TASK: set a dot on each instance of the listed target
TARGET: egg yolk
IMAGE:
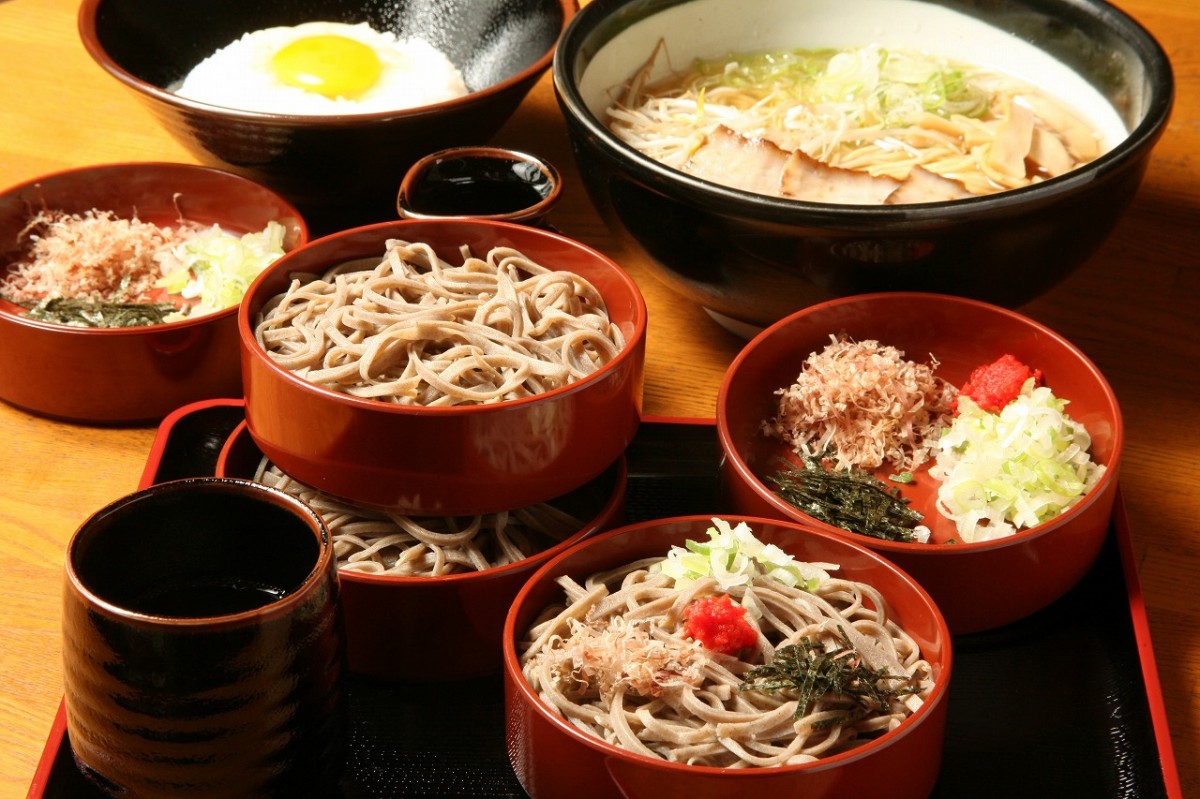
(331, 65)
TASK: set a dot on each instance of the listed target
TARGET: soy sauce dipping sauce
(479, 187)
(487, 182)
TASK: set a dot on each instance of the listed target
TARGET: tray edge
(1120, 523)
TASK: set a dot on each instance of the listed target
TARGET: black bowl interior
(1109, 50)
(488, 40)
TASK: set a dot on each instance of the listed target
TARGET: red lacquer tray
(1064, 703)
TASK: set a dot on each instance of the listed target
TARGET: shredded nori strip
(810, 672)
(88, 313)
(851, 499)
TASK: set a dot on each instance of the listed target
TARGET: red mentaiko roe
(719, 625)
(996, 384)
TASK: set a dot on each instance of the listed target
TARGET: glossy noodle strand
(413, 329)
(375, 542)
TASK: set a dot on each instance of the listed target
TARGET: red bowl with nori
(980, 585)
(129, 374)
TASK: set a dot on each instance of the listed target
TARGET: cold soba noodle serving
(864, 125)
(415, 330)
(374, 542)
(728, 653)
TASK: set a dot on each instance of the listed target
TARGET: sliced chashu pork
(760, 166)
(739, 162)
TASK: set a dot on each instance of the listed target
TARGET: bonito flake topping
(602, 658)
(864, 404)
(95, 256)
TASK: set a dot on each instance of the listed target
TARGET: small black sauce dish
(482, 183)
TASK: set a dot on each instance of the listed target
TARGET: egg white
(239, 75)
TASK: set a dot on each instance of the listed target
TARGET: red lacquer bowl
(979, 585)
(131, 374)
(554, 758)
(449, 460)
(426, 629)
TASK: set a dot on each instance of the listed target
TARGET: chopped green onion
(734, 556)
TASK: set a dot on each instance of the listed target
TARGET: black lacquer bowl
(751, 259)
(335, 167)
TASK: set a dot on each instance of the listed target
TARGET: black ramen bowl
(751, 259)
(343, 169)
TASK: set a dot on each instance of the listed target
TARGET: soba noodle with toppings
(374, 542)
(726, 653)
(415, 330)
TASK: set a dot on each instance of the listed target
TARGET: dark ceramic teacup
(203, 644)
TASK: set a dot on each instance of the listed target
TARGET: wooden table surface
(1132, 308)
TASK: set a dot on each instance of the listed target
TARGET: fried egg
(324, 68)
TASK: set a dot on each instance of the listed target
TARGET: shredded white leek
(733, 556)
(1008, 471)
(217, 266)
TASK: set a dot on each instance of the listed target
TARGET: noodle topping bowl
(130, 275)
(966, 442)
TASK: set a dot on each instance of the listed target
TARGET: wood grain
(1132, 308)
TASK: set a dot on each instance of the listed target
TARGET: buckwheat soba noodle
(726, 653)
(375, 542)
(413, 329)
